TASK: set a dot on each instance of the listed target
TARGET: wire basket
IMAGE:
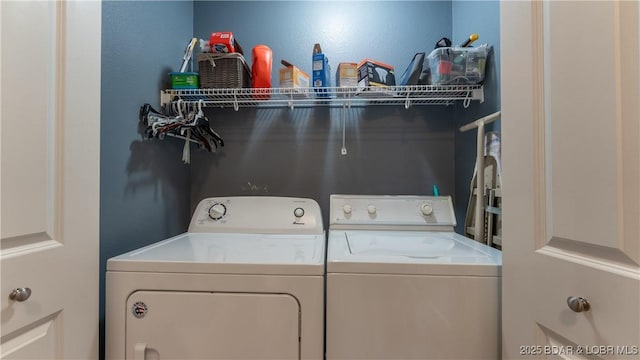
(227, 70)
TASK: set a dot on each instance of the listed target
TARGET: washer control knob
(371, 209)
(426, 209)
(298, 212)
(347, 209)
(217, 211)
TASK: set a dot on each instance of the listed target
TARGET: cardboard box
(375, 73)
(321, 74)
(347, 75)
(292, 77)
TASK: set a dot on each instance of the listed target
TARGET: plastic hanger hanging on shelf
(183, 120)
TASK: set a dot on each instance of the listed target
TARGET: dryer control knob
(426, 209)
(298, 212)
(217, 211)
(347, 209)
(371, 209)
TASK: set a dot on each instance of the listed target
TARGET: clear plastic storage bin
(458, 65)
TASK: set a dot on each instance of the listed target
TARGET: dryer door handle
(139, 351)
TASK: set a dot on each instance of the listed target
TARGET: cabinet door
(570, 123)
(204, 325)
(50, 172)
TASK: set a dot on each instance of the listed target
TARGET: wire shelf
(331, 96)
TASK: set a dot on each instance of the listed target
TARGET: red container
(222, 42)
(444, 67)
(261, 61)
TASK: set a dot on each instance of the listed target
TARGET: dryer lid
(232, 253)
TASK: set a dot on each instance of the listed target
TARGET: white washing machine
(245, 282)
(401, 284)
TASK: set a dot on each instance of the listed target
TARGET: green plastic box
(184, 80)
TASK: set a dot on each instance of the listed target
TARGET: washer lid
(410, 252)
(228, 254)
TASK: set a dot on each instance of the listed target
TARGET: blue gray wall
(297, 152)
(144, 187)
(483, 18)
(388, 31)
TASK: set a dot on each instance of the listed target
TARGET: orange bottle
(261, 61)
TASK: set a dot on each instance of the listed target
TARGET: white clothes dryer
(401, 284)
(245, 282)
